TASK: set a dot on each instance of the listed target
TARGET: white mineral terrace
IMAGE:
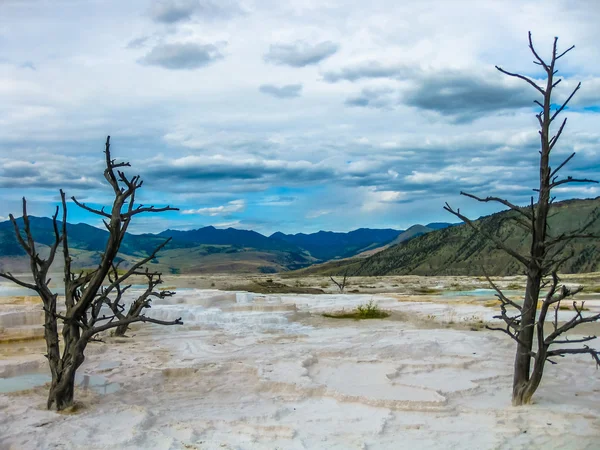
(251, 371)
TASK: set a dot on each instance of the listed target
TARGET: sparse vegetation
(273, 287)
(424, 290)
(365, 311)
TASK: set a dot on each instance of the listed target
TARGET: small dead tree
(83, 314)
(341, 286)
(138, 305)
(546, 255)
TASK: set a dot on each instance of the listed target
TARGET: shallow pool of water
(481, 293)
(96, 383)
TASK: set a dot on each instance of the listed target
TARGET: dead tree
(341, 286)
(82, 316)
(138, 305)
(546, 255)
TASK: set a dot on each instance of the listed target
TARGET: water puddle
(481, 293)
(96, 383)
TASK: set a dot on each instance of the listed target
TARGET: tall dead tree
(85, 312)
(523, 322)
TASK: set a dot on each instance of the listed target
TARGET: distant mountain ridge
(203, 250)
(325, 245)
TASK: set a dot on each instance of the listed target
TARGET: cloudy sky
(294, 115)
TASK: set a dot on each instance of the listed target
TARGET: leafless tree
(523, 323)
(341, 286)
(137, 306)
(83, 315)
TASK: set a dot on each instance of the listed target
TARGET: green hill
(459, 250)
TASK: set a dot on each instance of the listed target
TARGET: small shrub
(368, 311)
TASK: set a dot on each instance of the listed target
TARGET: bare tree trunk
(134, 311)
(525, 344)
(62, 387)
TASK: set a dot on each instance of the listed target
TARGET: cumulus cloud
(174, 11)
(285, 91)
(375, 200)
(182, 56)
(300, 53)
(231, 207)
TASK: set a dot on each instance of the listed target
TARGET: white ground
(254, 372)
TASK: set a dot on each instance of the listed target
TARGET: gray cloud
(300, 53)
(286, 91)
(137, 43)
(18, 169)
(233, 167)
(367, 69)
(381, 98)
(182, 56)
(174, 11)
(464, 97)
(460, 96)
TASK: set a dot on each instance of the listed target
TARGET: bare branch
(128, 321)
(540, 60)
(557, 112)
(503, 298)
(137, 265)
(512, 206)
(565, 52)
(522, 77)
(490, 237)
(576, 351)
(555, 171)
(99, 212)
(575, 341)
(152, 209)
(571, 180)
(506, 331)
(8, 276)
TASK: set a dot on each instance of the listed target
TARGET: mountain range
(207, 249)
(433, 249)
